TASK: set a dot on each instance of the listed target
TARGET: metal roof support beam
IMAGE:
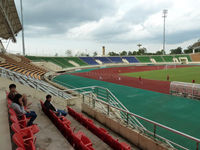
(2, 11)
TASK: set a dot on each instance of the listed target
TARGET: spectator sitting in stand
(19, 109)
(49, 106)
(13, 92)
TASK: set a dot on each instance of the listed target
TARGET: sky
(54, 26)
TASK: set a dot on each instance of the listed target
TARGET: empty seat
(98, 131)
(17, 129)
(24, 142)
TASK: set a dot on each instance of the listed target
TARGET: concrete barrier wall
(134, 136)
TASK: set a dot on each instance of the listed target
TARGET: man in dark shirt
(49, 106)
(13, 92)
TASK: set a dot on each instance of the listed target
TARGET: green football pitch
(186, 74)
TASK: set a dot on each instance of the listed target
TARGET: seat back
(15, 127)
(12, 112)
(18, 140)
(14, 119)
(19, 148)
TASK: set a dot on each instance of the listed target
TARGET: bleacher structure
(89, 60)
(34, 83)
(158, 58)
(67, 62)
(115, 59)
(130, 59)
(104, 60)
(21, 65)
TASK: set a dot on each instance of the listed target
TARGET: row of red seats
(78, 140)
(23, 136)
(98, 131)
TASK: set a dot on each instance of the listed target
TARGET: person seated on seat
(49, 106)
(19, 109)
(13, 92)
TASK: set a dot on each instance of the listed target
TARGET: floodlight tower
(22, 20)
(164, 17)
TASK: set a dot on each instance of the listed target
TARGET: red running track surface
(113, 75)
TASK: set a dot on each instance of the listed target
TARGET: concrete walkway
(49, 137)
(5, 139)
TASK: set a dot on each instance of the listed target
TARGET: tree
(56, 54)
(113, 54)
(142, 51)
(83, 54)
(178, 50)
(123, 53)
(188, 50)
(68, 53)
(161, 52)
(95, 54)
(134, 53)
(130, 53)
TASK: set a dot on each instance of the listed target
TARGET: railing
(38, 84)
(107, 96)
(154, 124)
(190, 90)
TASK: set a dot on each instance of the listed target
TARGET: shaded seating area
(104, 60)
(168, 58)
(60, 61)
(115, 59)
(102, 133)
(158, 58)
(78, 140)
(89, 60)
(22, 135)
(130, 59)
(76, 60)
(187, 56)
(22, 65)
(144, 59)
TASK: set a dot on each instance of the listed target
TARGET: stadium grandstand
(132, 102)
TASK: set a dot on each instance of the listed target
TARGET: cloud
(88, 24)
(56, 17)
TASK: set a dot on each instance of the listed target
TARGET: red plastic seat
(103, 130)
(65, 121)
(102, 133)
(78, 140)
(16, 128)
(19, 148)
(22, 123)
(9, 102)
(12, 112)
(26, 143)
(84, 139)
(125, 146)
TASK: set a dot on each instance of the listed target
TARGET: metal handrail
(155, 124)
(36, 82)
(113, 98)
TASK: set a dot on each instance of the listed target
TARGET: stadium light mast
(164, 17)
(22, 20)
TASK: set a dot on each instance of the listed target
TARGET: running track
(113, 75)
